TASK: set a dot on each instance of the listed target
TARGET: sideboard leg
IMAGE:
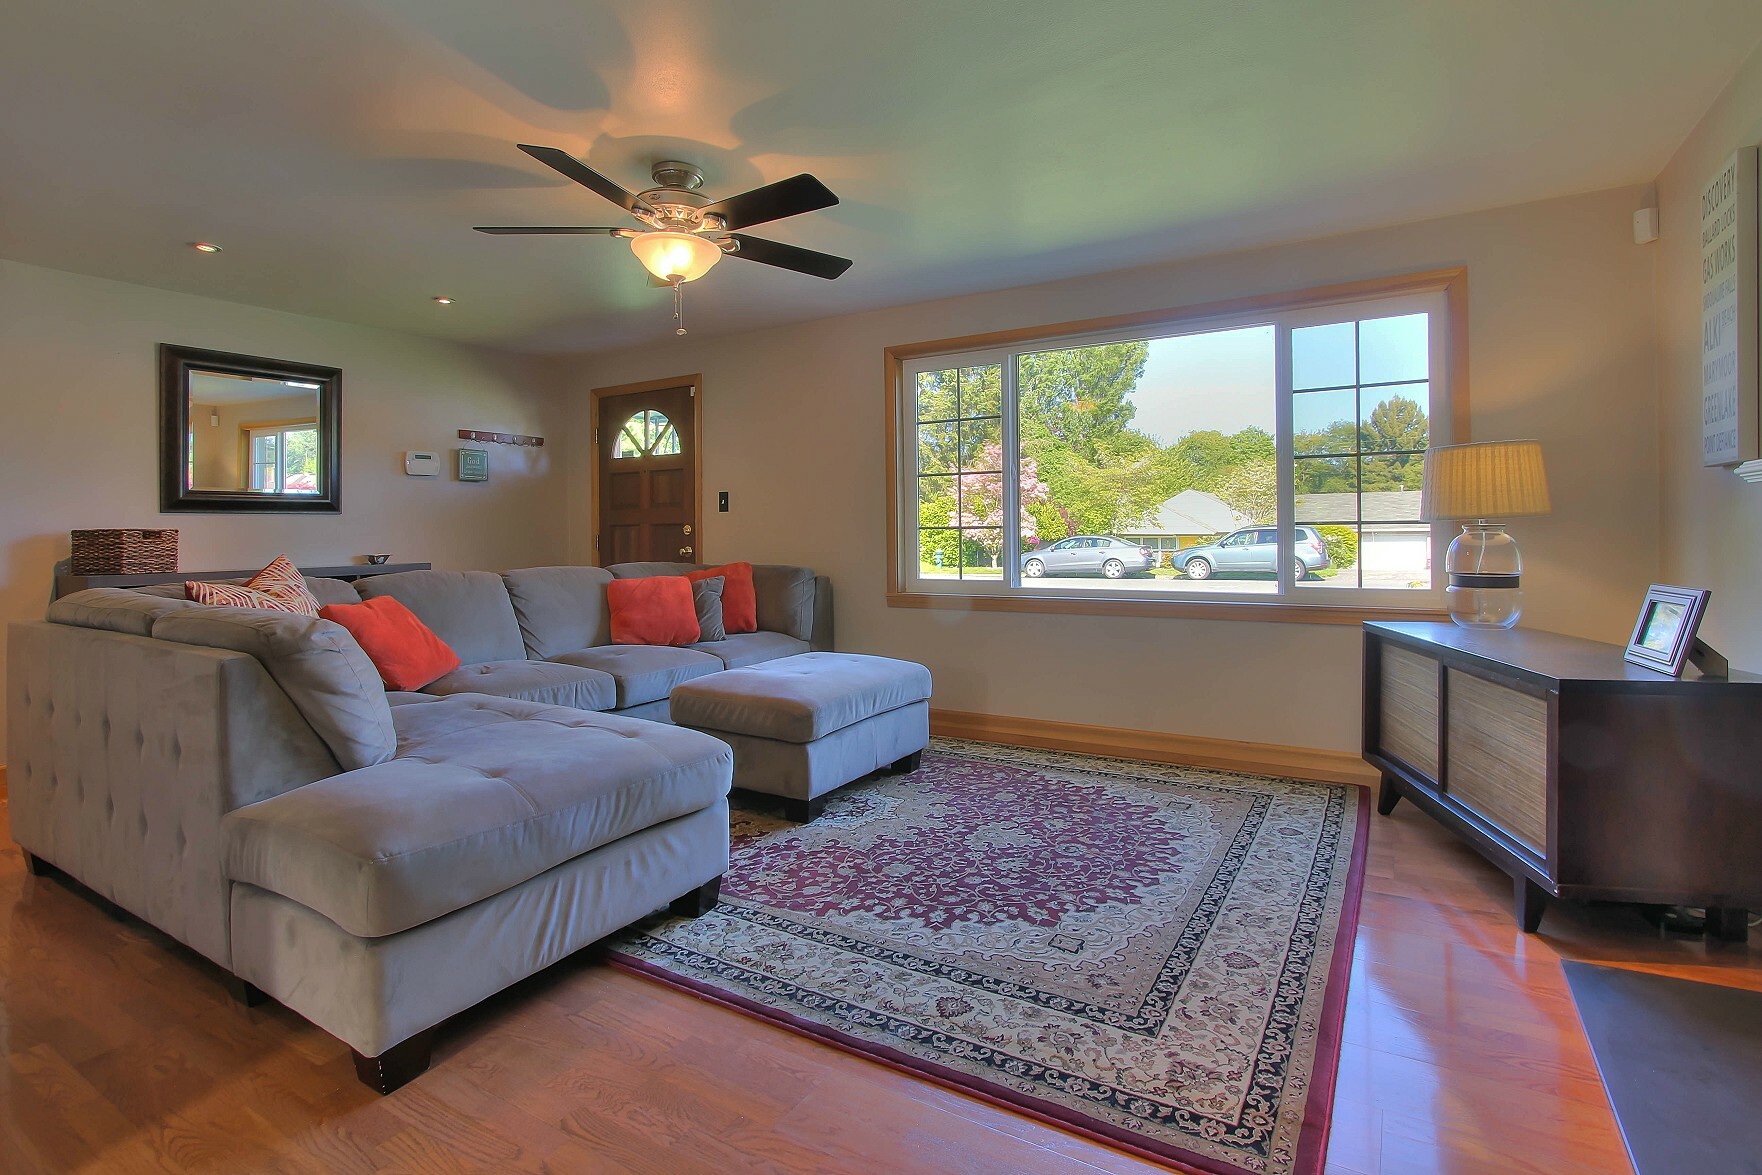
(1728, 924)
(1388, 795)
(1531, 900)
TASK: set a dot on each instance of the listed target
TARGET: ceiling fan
(686, 233)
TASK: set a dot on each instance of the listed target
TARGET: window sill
(1271, 612)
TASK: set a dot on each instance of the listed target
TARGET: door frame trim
(694, 381)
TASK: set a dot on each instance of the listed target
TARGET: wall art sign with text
(1728, 313)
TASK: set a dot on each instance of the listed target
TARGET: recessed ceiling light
(204, 247)
(443, 300)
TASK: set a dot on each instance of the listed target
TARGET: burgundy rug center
(1155, 956)
(1002, 847)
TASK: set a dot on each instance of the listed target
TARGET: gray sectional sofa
(379, 862)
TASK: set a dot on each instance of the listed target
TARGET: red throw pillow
(654, 610)
(405, 651)
(740, 603)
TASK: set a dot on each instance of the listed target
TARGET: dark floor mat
(1683, 1065)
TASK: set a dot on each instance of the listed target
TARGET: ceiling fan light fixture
(669, 255)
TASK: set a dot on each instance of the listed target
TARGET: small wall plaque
(473, 464)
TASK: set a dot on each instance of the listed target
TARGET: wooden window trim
(1452, 283)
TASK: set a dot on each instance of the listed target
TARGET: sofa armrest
(821, 640)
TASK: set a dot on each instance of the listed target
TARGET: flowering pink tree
(982, 500)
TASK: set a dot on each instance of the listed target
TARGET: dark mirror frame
(175, 365)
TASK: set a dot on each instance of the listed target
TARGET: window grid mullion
(1012, 476)
(1284, 446)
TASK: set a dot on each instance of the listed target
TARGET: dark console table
(68, 584)
(1576, 773)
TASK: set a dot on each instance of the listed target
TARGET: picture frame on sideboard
(1664, 633)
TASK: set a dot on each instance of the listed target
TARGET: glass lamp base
(1483, 566)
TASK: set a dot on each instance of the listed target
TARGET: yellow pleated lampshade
(1493, 479)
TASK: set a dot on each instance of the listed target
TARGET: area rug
(1153, 956)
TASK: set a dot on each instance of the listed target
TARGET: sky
(1224, 379)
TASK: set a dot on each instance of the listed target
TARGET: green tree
(1081, 394)
(1251, 488)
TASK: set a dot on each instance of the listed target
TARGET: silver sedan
(1086, 554)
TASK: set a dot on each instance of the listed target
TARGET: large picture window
(1267, 455)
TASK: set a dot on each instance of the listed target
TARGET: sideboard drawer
(1497, 748)
(1410, 709)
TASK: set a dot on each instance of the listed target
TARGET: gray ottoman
(801, 726)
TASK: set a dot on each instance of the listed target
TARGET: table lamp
(1494, 479)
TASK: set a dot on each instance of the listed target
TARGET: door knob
(685, 550)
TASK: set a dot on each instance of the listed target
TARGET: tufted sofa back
(123, 754)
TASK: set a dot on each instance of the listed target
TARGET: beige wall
(1711, 519)
(1560, 348)
(78, 383)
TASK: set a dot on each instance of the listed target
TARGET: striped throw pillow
(279, 587)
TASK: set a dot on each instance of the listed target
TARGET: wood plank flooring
(123, 1053)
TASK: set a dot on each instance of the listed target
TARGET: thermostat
(422, 464)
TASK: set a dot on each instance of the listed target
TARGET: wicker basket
(124, 552)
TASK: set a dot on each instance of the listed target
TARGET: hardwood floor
(123, 1053)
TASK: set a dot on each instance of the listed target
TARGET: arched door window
(647, 434)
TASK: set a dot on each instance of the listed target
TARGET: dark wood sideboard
(1578, 774)
(68, 584)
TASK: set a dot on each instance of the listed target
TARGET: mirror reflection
(252, 434)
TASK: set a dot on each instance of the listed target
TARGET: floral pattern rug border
(1161, 965)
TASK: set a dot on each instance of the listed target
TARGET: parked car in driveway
(1253, 548)
(1086, 554)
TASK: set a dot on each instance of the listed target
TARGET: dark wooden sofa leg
(248, 994)
(907, 765)
(398, 1065)
(1531, 900)
(804, 811)
(699, 901)
(37, 867)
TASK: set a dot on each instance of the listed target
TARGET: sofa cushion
(750, 648)
(785, 598)
(469, 610)
(484, 794)
(560, 609)
(116, 609)
(799, 699)
(644, 673)
(543, 682)
(317, 664)
(405, 651)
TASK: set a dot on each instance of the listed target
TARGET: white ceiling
(341, 150)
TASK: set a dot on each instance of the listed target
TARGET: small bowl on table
(376, 560)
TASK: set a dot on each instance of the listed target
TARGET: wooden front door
(648, 476)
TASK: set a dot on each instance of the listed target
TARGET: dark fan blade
(790, 197)
(587, 177)
(548, 232)
(789, 257)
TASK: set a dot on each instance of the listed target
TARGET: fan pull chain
(679, 305)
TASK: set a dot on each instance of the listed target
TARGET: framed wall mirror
(248, 435)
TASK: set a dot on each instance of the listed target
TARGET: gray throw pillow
(706, 597)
